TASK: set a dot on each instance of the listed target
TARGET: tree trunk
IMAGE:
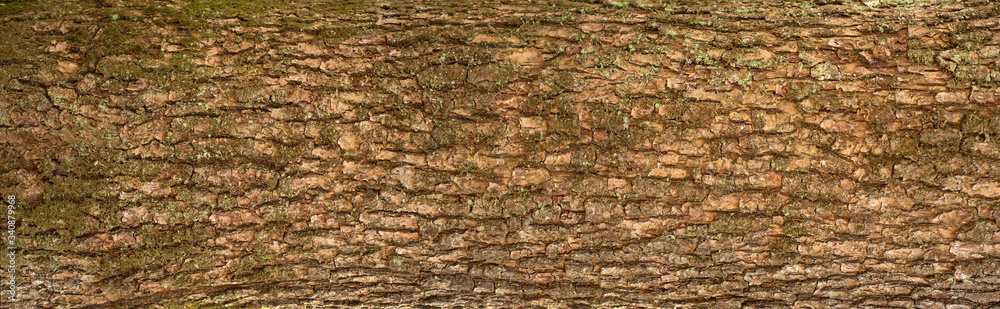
(825, 153)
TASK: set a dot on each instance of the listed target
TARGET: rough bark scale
(558, 154)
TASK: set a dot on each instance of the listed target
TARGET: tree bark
(823, 154)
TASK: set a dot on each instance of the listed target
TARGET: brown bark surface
(195, 153)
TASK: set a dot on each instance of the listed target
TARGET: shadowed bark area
(196, 153)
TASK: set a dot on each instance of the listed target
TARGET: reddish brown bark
(562, 154)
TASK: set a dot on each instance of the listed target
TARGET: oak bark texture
(824, 154)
